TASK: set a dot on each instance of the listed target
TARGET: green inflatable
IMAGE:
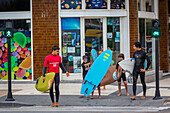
(46, 85)
(20, 38)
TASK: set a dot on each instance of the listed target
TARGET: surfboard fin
(86, 90)
(94, 87)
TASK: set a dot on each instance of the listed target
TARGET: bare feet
(119, 94)
(165, 103)
(143, 97)
(127, 94)
(103, 89)
(100, 97)
(53, 105)
(56, 104)
(91, 97)
(133, 98)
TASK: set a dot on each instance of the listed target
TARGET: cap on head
(85, 57)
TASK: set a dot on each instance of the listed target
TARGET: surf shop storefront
(92, 27)
(21, 46)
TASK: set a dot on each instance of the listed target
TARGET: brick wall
(164, 46)
(133, 18)
(45, 31)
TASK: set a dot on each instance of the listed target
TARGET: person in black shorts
(85, 65)
(123, 76)
(140, 56)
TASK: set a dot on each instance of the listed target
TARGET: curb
(14, 104)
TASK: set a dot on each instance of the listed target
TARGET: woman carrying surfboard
(139, 55)
(54, 61)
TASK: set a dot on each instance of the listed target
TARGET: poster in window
(71, 49)
(76, 62)
(64, 51)
(96, 4)
(71, 4)
(117, 4)
(109, 35)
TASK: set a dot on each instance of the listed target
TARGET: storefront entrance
(80, 35)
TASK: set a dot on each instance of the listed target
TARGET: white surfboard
(127, 64)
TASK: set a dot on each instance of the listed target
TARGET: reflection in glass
(113, 36)
(142, 32)
(71, 48)
(117, 4)
(14, 5)
(93, 35)
(146, 40)
(139, 5)
(149, 5)
(71, 4)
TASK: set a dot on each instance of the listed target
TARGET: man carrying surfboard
(139, 55)
(54, 62)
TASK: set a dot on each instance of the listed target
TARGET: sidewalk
(25, 93)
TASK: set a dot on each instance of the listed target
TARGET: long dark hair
(121, 55)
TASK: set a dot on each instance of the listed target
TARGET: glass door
(71, 46)
(113, 36)
(93, 35)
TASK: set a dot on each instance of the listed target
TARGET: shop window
(71, 44)
(96, 4)
(113, 36)
(149, 4)
(139, 5)
(71, 4)
(148, 47)
(14, 5)
(21, 67)
(146, 5)
(169, 39)
(117, 4)
(93, 36)
(145, 37)
(142, 32)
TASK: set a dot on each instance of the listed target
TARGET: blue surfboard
(96, 72)
(94, 54)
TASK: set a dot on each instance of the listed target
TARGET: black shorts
(123, 76)
(84, 74)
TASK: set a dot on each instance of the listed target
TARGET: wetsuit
(123, 76)
(140, 57)
(54, 62)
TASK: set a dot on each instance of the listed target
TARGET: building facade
(77, 26)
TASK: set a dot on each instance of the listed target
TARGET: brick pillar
(164, 45)
(45, 31)
(133, 19)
